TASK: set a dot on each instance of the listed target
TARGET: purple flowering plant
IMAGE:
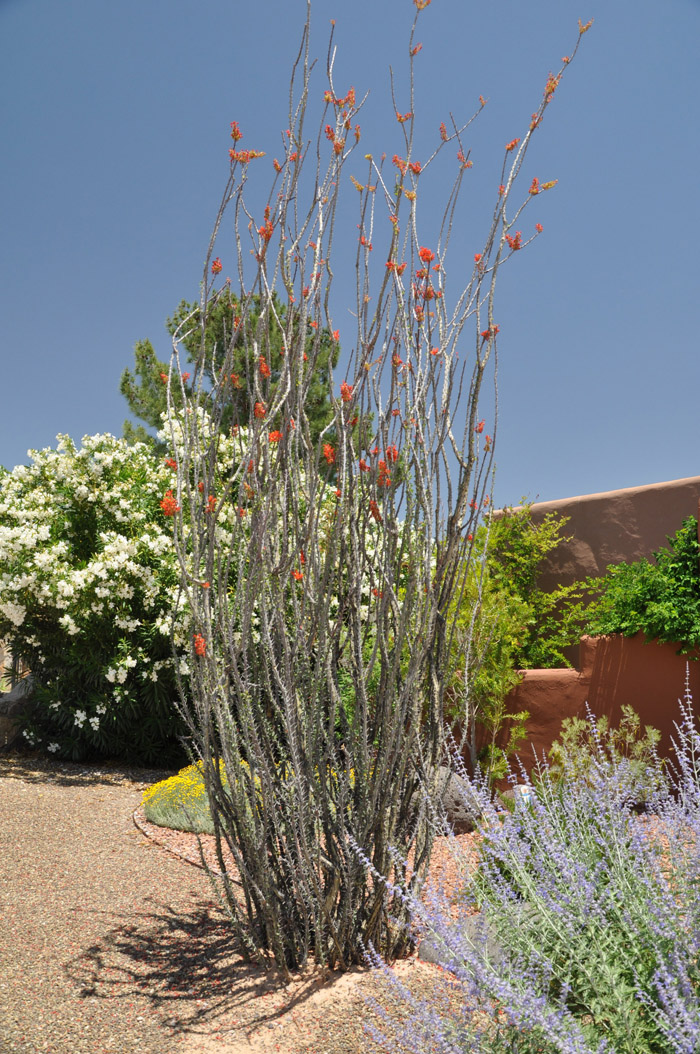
(586, 936)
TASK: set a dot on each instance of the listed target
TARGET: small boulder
(14, 707)
(459, 801)
(475, 930)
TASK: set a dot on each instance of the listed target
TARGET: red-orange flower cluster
(170, 462)
(200, 645)
(402, 117)
(329, 453)
(383, 477)
(267, 229)
(551, 86)
(259, 410)
(392, 454)
(298, 575)
(169, 504)
(216, 266)
(534, 186)
(275, 436)
(426, 255)
(515, 241)
(263, 366)
(374, 511)
(244, 156)
(348, 100)
(236, 133)
(512, 144)
(346, 392)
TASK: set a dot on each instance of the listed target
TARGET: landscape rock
(459, 801)
(476, 931)
(14, 707)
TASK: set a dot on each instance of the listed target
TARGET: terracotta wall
(621, 525)
(612, 672)
(615, 526)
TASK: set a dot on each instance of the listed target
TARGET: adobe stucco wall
(611, 671)
(616, 525)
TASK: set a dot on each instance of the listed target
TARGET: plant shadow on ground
(189, 967)
(33, 767)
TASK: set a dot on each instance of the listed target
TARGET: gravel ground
(99, 928)
(111, 944)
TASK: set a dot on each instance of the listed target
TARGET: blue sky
(115, 130)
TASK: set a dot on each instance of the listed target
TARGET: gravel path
(100, 929)
(111, 945)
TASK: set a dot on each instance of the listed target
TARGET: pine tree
(145, 389)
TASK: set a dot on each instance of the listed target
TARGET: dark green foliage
(227, 321)
(660, 599)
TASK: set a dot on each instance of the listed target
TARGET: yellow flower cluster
(186, 791)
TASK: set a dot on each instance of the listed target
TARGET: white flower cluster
(85, 549)
(15, 612)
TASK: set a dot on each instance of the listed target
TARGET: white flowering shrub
(87, 584)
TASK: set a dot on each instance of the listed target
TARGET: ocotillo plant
(319, 574)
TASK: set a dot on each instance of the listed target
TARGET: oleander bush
(586, 937)
(88, 576)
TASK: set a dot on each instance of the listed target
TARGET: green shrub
(572, 755)
(660, 599)
(503, 624)
(554, 619)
